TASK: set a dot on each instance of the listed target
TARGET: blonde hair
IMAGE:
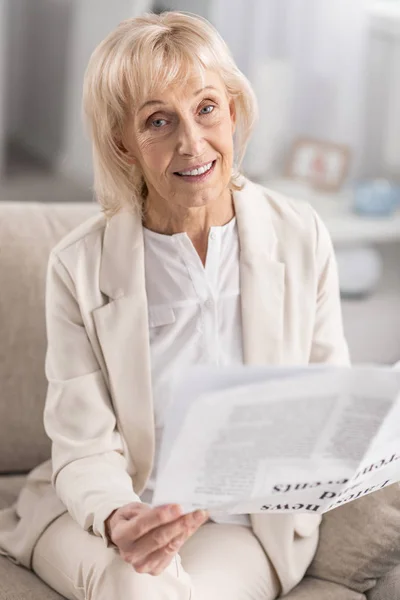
(134, 58)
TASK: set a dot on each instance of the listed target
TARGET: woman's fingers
(155, 564)
(161, 537)
(158, 561)
(165, 541)
(151, 519)
(148, 538)
(136, 509)
(137, 520)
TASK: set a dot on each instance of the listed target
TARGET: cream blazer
(99, 412)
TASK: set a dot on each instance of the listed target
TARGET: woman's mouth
(199, 174)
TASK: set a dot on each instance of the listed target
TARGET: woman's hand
(148, 538)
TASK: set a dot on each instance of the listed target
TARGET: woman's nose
(190, 139)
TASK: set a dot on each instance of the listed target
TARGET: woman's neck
(167, 218)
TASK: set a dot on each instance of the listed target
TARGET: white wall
(233, 19)
(323, 42)
(381, 156)
(92, 21)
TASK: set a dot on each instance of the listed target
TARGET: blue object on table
(376, 198)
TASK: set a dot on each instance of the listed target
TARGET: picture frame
(323, 165)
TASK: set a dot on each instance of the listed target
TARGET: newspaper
(280, 440)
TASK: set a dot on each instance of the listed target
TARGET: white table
(345, 227)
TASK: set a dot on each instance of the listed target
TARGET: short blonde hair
(139, 54)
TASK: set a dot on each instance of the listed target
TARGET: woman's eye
(158, 123)
(206, 110)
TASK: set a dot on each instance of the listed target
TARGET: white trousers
(219, 562)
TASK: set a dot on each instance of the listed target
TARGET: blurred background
(327, 77)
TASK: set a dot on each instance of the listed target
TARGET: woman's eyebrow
(207, 87)
(151, 102)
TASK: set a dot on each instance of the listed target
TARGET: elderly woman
(187, 263)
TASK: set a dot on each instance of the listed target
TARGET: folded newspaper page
(276, 440)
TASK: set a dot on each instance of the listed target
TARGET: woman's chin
(204, 196)
(196, 200)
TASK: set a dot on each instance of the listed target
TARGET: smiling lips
(197, 172)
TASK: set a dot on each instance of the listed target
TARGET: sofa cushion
(388, 587)
(28, 231)
(316, 589)
(10, 486)
(17, 583)
(360, 541)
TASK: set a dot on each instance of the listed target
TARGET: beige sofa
(27, 233)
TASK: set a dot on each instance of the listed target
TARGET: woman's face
(182, 139)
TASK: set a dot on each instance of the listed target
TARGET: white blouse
(194, 314)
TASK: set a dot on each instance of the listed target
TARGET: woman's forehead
(187, 87)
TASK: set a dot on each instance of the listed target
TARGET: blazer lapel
(122, 328)
(262, 278)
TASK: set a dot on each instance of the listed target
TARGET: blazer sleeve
(328, 344)
(89, 467)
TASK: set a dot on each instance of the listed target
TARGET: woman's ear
(130, 159)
